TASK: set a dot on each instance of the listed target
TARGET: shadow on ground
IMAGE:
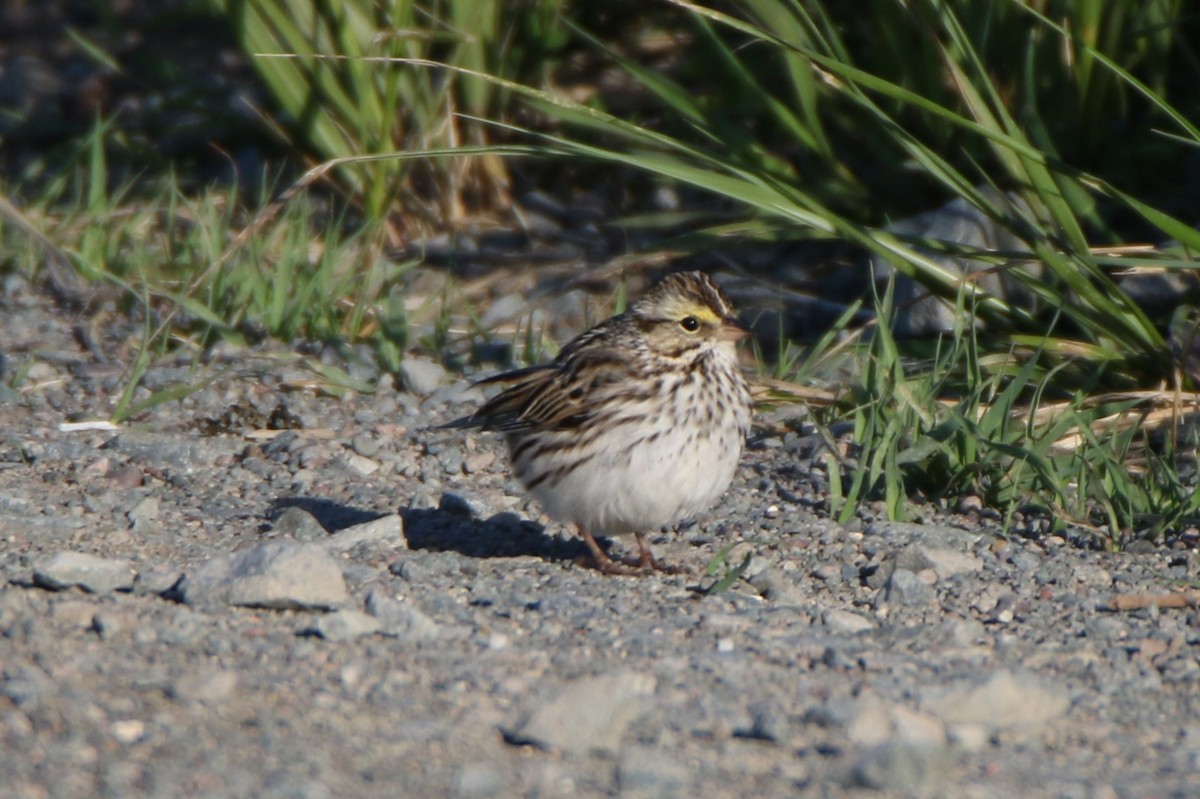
(451, 527)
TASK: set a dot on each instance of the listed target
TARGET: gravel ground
(198, 605)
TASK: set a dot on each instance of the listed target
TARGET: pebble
(905, 587)
(93, 574)
(360, 465)
(385, 532)
(588, 714)
(143, 516)
(477, 462)
(365, 445)
(111, 623)
(947, 562)
(1000, 701)
(278, 574)
(206, 686)
(127, 731)
(421, 376)
(467, 505)
(156, 580)
(902, 768)
(346, 625)
(398, 618)
(845, 622)
(299, 524)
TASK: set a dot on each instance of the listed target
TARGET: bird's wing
(555, 395)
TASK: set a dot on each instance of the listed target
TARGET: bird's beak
(730, 330)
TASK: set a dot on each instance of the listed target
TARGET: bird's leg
(646, 560)
(600, 558)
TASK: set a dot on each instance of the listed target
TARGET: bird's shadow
(449, 527)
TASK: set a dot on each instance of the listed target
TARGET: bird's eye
(690, 323)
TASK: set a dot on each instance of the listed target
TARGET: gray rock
(904, 587)
(902, 768)
(278, 574)
(875, 721)
(399, 619)
(170, 449)
(957, 222)
(365, 445)
(346, 625)
(588, 714)
(767, 723)
(945, 561)
(143, 517)
(421, 376)
(89, 572)
(1002, 700)
(386, 531)
(110, 623)
(845, 622)
(300, 525)
(156, 580)
(209, 687)
(776, 586)
(364, 466)
(464, 504)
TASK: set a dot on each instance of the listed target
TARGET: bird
(638, 423)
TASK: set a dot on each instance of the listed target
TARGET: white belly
(634, 482)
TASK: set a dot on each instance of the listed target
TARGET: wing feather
(558, 395)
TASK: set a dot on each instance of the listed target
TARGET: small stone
(78, 569)
(905, 587)
(588, 714)
(156, 580)
(143, 517)
(127, 476)
(767, 723)
(772, 584)
(902, 768)
(835, 657)
(969, 737)
(829, 572)
(451, 460)
(478, 461)
(1025, 560)
(278, 574)
(385, 532)
(1002, 701)
(364, 466)
(208, 687)
(465, 505)
(127, 731)
(299, 524)
(365, 445)
(346, 625)
(970, 504)
(949, 562)
(110, 623)
(421, 376)
(399, 619)
(846, 622)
